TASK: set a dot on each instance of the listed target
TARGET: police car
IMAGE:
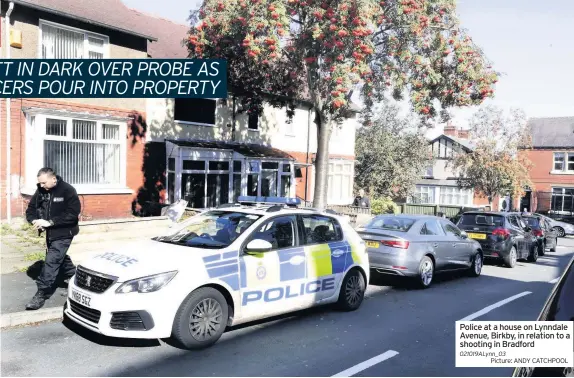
(237, 263)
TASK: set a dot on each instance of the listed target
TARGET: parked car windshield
(212, 229)
(482, 220)
(392, 223)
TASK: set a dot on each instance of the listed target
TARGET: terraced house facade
(124, 154)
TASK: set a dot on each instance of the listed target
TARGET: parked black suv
(502, 235)
(559, 307)
(546, 235)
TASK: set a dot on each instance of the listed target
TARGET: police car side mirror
(258, 245)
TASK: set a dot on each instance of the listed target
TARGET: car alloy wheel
(205, 319)
(512, 257)
(560, 231)
(426, 271)
(477, 264)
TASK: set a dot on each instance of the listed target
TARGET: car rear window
(481, 220)
(392, 223)
(532, 222)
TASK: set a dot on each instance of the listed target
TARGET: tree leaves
(282, 51)
(496, 167)
(392, 154)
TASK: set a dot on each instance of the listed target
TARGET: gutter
(8, 124)
(83, 19)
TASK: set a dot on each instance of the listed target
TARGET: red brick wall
(94, 206)
(543, 161)
(542, 179)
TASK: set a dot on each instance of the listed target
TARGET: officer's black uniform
(61, 207)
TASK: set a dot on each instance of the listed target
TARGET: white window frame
(207, 154)
(564, 170)
(105, 49)
(36, 135)
(350, 175)
(429, 189)
(437, 192)
(562, 194)
(190, 123)
(466, 194)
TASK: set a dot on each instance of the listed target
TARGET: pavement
(398, 331)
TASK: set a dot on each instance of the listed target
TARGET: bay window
(87, 152)
(424, 194)
(451, 195)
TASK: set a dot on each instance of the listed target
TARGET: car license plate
(477, 236)
(81, 298)
(373, 244)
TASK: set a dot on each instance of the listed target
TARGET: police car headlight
(146, 284)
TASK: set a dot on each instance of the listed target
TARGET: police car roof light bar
(269, 200)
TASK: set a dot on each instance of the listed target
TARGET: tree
(327, 49)
(392, 153)
(496, 167)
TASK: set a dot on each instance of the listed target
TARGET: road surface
(398, 331)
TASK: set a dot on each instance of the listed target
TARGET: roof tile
(552, 132)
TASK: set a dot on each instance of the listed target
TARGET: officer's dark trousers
(58, 265)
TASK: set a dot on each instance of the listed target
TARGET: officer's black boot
(37, 301)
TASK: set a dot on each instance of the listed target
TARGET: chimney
(450, 130)
(463, 134)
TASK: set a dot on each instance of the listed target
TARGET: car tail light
(538, 232)
(503, 232)
(396, 243)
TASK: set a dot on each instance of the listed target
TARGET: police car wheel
(201, 319)
(352, 291)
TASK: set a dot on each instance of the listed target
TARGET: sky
(530, 42)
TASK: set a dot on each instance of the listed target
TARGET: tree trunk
(322, 161)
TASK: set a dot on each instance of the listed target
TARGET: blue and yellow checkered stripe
(286, 265)
(224, 266)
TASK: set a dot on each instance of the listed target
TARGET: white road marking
(493, 306)
(554, 280)
(367, 364)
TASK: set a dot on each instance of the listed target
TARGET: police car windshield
(212, 229)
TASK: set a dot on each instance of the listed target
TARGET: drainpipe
(8, 134)
(309, 116)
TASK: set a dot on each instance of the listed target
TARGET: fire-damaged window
(200, 111)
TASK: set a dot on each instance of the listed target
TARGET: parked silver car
(561, 228)
(417, 246)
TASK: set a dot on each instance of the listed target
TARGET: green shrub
(384, 206)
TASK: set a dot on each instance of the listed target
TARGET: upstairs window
(199, 111)
(253, 122)
(563, 162)
(63, 42)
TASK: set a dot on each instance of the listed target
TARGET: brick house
(122, 154)
(90, 142)
(552, 154)
(439, 186)
(209, 161)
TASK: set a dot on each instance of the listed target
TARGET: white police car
(226, 266)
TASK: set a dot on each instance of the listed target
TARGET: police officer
(55, 209)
